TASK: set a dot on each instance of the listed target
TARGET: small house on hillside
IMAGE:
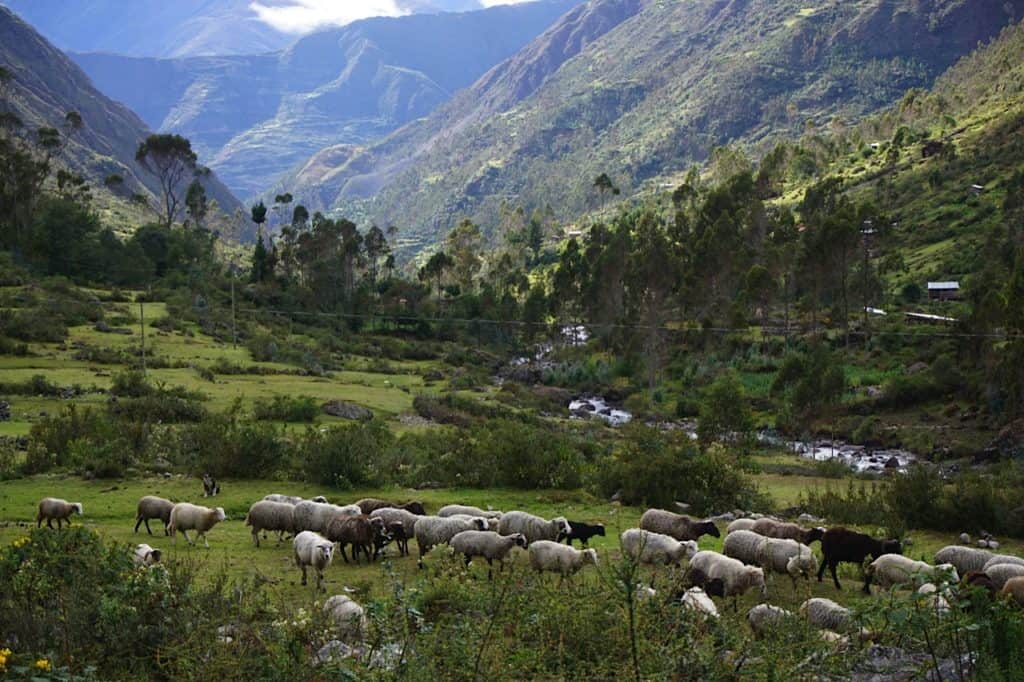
(943, 291)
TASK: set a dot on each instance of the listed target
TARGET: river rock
(347, 410)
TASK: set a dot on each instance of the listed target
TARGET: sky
(303, 16)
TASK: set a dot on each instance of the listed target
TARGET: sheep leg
(138, 522)
(303, 567)
(184, 534)
(49, 523)
(255, 537)
(341, 548)
(206, 542)
(835, 578)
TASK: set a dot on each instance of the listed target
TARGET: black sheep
(840, 545)
(582, 532)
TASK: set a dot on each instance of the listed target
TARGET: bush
(344, 457)
(725, 413)
(131, 384)
(160, 407)
(286, 409)
(657, 469)
(53, 440)
(226, 447)
(38, 385)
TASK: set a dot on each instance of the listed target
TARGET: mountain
(255, 117)
(642, 89)
(179, 28)
(46, 85)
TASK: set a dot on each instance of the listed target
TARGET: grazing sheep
(890, 570)
(695, 599)
(393, 532)
(51, 508)
(362, 532)
(678, 526)
(936, 601)
(788, 557)
(312, 549)
(997, 559)
(185, 517)
(533, 527)
(152, 507)
(1000, 574)
(1013, 589)
(979, 580)
(435, 530)
(467, 510)
(765, 617)
(547, 555)
(740, 524)
(144, 555)
(316, 516)
(841, 545)
(583, 532)
(293, 499)
(267, 515)
(965, 539)
(655, 548)
(736, 577)
(486, 544)
(210, 486)
(825, 614)
(348, 616)
(405, 518)
(369, 505)
(771, 528)
(490, 523)
(744, 545)
(695, 577)
(965, 559)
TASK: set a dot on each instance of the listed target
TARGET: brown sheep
(360, 531)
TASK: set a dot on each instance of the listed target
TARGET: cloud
(303, 16)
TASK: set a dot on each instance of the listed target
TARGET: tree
(604, 185)
(260, 261)
(300, 217)
(725, 413)
(195, 203)
(435, 268)
(171, 159)
(376, 246)
(259, 216)
(464, 248)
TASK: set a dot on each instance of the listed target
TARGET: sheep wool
(678, 526)
(695, 599)
(152, 507)
(744, 545)
(144, 555)
(965, 559)
(1013, 589)
(435, 530)
(740, 524)
(348, 616)
(274, 516)
(736, 577)
(533, 527)
(312, 549)
(764, 617)
(467, 510)
(826, 614)
(997, 559)
(185, 517)
(547, 555)
(1001, 574)
(54, 508)
(890, 570)
(486, 544)
(655, 548)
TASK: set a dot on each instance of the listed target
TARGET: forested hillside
(658, 92)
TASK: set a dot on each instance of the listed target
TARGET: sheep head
(519, 540)
(812, 535)
(562, 523)
(76, 508)
(590, 556)
(600, 529)
(755, 578)
(415, 508)
(325, 552)
(708, 528)
(319, 498)
(892, 547)
(218, 514)
(481, 524)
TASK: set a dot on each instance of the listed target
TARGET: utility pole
(142, 329)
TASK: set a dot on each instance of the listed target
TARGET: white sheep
(348, 616)
(144, 555)
(533, 527)
(492, 523)
(695, 599)
(736, 577)
(1000, 574)
(656, 548)
(185, 517)
(435, 530)
(744, 545)
(293, 499)
(997, 559)
(965, 539)
(547, 555)
(267, 515)
(467, 510)
(51, 508)
(965, 559)
(826, 614)
(312, 549)
(152, 507)
(486, 544)
(788, 557)
(740, 524)
(890, 570)
(937, 602)
(316, 516)
(397, 515)
(765, 617)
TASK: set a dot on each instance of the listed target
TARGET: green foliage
(343, 457)
(286, 409)
(725, 413)
(810, 383)
(654, 469)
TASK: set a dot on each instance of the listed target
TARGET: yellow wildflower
(21, 542)
(4, 655)
(44, 665)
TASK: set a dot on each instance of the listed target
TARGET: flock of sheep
(752, 548)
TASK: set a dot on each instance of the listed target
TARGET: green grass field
(110, 509)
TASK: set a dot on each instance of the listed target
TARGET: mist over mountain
(255, 117)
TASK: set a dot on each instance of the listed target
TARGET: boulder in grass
(346, 410)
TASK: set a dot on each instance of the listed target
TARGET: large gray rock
(347, 410)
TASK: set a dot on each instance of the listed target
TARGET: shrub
(286, 409)
(131, 384)
(161, 406)
(345, 456)
(725, 412)
(37, 385)
(226, 446)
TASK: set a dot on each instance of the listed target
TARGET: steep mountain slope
(178, 28)
(657, 92)
(46, 85)
(256, 117)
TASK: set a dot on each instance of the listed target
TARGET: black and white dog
(210, 486)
